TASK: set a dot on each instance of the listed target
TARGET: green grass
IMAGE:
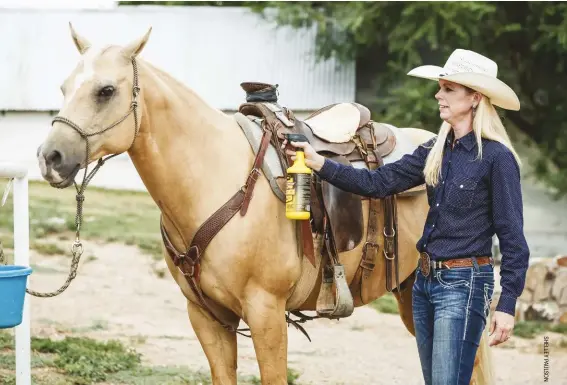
(81, 361)
(48, 248)
(108, 215)
(386, 304)
(530, 329)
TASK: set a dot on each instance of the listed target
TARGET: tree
(528, 40)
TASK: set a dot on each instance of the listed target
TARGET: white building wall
(210, 49)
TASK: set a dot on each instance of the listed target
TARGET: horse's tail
(483, 373)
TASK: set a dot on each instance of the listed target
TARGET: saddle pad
(271, 167)
(338, 124)
(251, 126)
(404, 145)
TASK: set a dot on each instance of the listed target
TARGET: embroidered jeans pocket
(450, 279)
(460, 192)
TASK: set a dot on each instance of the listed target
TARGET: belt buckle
(425, 265)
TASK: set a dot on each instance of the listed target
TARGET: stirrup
(326, 305)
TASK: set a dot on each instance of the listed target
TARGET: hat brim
(499, 93)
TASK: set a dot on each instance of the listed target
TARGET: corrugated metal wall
(210, 49)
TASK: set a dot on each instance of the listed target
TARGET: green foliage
(530, 329)
(387, 39)
(81, 361)
(88, 360)
(292, 376)
(386, 304)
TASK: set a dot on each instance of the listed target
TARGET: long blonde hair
(486, 124)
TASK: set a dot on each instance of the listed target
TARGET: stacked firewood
(545, 294)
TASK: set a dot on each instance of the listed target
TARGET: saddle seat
(340, 129)
(338, 123)
(343, 132)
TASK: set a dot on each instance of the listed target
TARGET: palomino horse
(193, 158)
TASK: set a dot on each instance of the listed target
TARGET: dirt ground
(118, 295)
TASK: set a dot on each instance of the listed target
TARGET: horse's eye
(106, 92)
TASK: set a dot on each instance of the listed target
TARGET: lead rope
(77, 247)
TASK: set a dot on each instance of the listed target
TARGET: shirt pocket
(461, 192)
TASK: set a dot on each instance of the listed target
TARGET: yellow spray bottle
(298, 186)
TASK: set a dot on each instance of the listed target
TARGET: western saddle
(345, 133)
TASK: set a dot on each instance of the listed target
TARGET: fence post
(21, 258)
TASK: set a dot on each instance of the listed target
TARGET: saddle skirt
(273, 170)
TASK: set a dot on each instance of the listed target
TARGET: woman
(473, 179)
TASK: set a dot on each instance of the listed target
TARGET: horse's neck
(191, 157)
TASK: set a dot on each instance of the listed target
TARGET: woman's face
(455, 102)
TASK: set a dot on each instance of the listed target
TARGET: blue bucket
(13, 283)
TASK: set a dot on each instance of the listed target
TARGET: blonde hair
(486, 124)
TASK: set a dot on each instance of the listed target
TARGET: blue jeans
(450, 309)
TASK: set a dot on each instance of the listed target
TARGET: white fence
(21, 258)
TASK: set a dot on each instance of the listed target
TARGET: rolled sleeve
(387, 180)
(507, 211)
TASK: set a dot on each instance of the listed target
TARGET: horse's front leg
(218, 344)
(265, 315)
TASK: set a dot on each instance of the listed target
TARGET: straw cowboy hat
(475, 71)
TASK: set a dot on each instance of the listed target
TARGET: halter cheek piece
(85, 136)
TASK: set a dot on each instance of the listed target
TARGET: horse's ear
(81, 43)
(134, 48)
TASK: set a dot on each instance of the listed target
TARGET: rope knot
(80, 198)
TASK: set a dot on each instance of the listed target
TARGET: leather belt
(425, 263)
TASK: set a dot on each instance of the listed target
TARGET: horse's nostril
(54, 158)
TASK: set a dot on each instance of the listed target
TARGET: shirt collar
(468, 141)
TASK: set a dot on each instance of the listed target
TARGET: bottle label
(298, 193)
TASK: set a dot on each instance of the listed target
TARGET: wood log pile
(545, 294)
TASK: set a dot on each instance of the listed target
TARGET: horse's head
(99, 107)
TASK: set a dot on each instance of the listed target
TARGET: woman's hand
(501, 327)
(312, 160)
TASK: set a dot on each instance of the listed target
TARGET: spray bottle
(298, 186)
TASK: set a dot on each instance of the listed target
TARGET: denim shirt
(474, 199)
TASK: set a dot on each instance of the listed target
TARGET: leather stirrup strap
(396, 254)
(390, 241)
(368, 261)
